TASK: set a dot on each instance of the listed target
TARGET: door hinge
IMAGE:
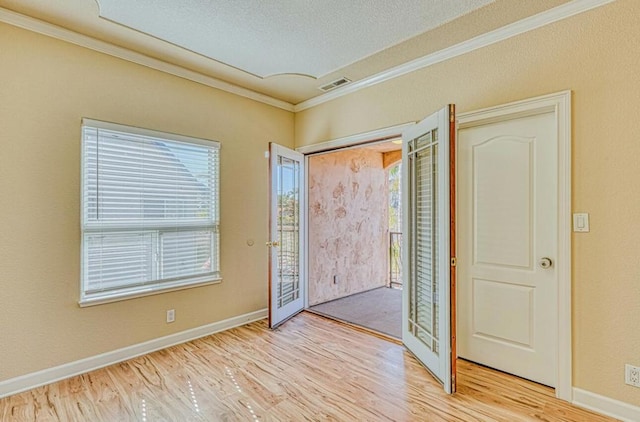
(452, 113)
(453, 261)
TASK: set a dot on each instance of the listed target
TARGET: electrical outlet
(171, 315)
(632, 375)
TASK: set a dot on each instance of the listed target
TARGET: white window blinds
(149, 211)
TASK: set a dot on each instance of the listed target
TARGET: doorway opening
(355, 238)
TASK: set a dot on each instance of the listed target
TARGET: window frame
(156, 286)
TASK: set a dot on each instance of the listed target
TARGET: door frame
(338, 144)
(559, 104)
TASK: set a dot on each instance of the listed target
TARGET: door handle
(545, 263)
(273, 244)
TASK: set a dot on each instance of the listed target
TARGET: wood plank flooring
(309, 369)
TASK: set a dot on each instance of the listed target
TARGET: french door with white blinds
(427, 200)
(286, 287)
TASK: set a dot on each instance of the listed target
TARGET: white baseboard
(57, 373)
(606, 406)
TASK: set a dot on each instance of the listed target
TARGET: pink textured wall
(348, 224)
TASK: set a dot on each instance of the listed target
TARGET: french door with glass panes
(286, 289)
(428, 319)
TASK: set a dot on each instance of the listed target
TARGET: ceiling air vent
(333, 85)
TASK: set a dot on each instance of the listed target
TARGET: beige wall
(348, 224)
(597, 55)
(46, 87)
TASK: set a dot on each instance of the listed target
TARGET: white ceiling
(275, 37)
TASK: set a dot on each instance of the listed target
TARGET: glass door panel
(286, 296)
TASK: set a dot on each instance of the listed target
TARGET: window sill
(152, 290)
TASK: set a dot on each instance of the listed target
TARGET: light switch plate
(581, 222)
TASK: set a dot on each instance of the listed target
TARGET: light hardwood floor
(310, 369)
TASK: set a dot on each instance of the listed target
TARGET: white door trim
(378, 135)
(560, 104)
(305, 227)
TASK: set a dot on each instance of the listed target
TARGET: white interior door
(426, 308)
(508, 244)
(286, 294)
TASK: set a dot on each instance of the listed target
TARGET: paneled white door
(426, 306)
(286, 289)
(508, 244)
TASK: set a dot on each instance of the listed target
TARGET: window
(149, 212)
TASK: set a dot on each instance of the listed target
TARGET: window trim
(151, 288)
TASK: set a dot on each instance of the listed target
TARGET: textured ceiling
(303, 37)
(82, 17)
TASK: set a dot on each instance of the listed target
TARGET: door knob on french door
(545, 263)
(273, 244)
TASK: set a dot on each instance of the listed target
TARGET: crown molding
(539, 20)
(58, 32)
(547, 17)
